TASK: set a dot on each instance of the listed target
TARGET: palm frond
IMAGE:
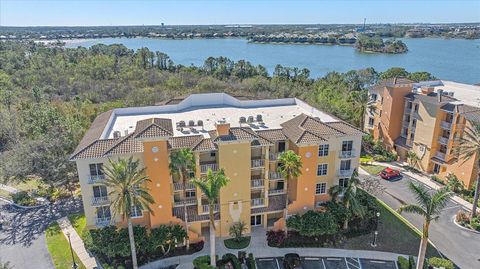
(412, 209)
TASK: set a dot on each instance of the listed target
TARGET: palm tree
(181, 163)
(210, 187)
(469, 147)
(429, 205)
(127, 180)
(348, 196)
(412, 158)
(290, 165)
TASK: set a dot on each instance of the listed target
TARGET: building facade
(427, 118)
(243, 137)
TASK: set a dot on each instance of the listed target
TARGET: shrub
(462, 217)
(202, 262)
(454, 184)
(229, 257)
(23, 198)
(251, 261)
(366, 160)
(237, 230)
(313, 224)
(475, 223)
(438, 180)
(440, 263)
(339, 211)
(411, 262)
(275, 238)
(403, 263)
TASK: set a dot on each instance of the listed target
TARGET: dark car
(389, 173)
(291, 261)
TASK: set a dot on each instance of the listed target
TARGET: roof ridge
(118, 143)
(82, 150)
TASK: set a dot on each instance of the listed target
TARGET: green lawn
(59, 248)
(78, 222)
(372, 169)
(231, 243)
(5, 194)
(394, 235)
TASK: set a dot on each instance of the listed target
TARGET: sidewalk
(260, 249)
(8, 188)
(423, 179)
(77, 244)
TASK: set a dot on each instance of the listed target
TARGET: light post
(375, 234)
(74, 265)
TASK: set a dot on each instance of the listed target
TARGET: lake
(448, 59)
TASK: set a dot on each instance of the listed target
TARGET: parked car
(389, 173)
(292, 261)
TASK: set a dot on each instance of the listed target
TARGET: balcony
(102, 222)
(408, 110)
(273, 156)
(178, 186)
(275, 191)
(346, 153)
(93, 179)
(257, 183)
(188, 201)
(446, 125)
(205, 209)
(440, 155)
(275, 176)
(258, 163)
(205, 166)
(101, 200)
(345, 172)
(443, 140)
(257, 202)
(406, 124)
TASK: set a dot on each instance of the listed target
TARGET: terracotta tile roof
(192, 212)
(205, 145)
(235, 134)
(272, 135)
(275, 203)
(96, 149)
(470, 113)
(94, 132)
(305, 129)
(154, 127)
(345, 128)
(184, 141)
(125, 145)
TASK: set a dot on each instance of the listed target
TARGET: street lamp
(375, 234)
(74, 265)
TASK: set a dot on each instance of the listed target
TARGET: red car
(389, 173)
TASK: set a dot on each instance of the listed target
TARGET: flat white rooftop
(466, 93)
(211, 108)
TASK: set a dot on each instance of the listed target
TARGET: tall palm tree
(469, 147)
(348, 196)
(290, 165)
(181, 163)
(210, 187)
(429, 206)
(127, 180)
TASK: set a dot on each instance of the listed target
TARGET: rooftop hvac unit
(181, 123)
(126, 132)
(250, 119)
(259, 118)
(450, 94)
(191, 123)
(200, 122)
(243, 120)
(116, 134)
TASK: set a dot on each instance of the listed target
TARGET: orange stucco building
(242, 136)
(427, 118)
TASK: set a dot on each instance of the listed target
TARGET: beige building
(242, 136)
(427, 118)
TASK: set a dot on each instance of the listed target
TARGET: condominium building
(427, 118)
(242, 136)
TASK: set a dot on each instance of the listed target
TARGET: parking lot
(328, 263)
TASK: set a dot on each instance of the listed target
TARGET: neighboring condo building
(242, 136)
(427, 118)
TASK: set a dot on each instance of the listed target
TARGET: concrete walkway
(259, 248)
(77, 244)
(8, 188)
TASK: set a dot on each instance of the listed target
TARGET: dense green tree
(394, 72)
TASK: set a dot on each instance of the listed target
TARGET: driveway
(459, 245)
(22, 238)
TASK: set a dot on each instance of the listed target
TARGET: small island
(377, 44)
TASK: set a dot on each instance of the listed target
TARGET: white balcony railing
(276, 191)
(440, 155)
(204, 167)
(274, 156)
(275, 176)
(178, 186)
(103, 221)
(408, 110)
(205, 209)
(257, 183)
(345, 172)
(101, 200)
(188, 201)
(446, 125)
(257, 163)
(92, 179)
(443, 140)
(257, 202)
(346, 153)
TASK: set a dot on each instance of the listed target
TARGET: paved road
(462, 247)
(22, 239)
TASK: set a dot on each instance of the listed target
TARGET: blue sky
(128, 12)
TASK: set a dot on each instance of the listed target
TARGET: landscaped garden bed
(59, 248)
(233, 243)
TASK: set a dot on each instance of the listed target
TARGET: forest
(50, 95)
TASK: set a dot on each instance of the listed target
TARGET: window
(416, 108)
(443, 149)
(96, 169)
(281, 146)
(343, 182)
(321, 188)
(407, 118)
(414, 123)
(100, 191)
(347, 145)
(409, 105)
(345, 164)
(373, 97)
(190, 194)
(412, 136)
(405, 131)
(322, 169)
(103, 212)
(256, 220)
(213, 154)
(136, 211)
(323, 150)
(371, 121)
(436, 168)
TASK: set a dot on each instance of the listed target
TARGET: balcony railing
(346, 153)
(273, 156)
(275, 176)
(204, 167)
(443, 140)
(440, 155)
(101, 200)
(102, 222)
(257, 183)
(92, 179)
(178, 186)
(345, 172)
(257, 163)
(446, 125)
(205, 209)
(188, 201)
(406, 123)
(408, 110)
(276, 191)
(257, 202)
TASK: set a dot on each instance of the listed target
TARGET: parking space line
(312, 259)
(324, 266)
(278, 265)
(377, 261)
